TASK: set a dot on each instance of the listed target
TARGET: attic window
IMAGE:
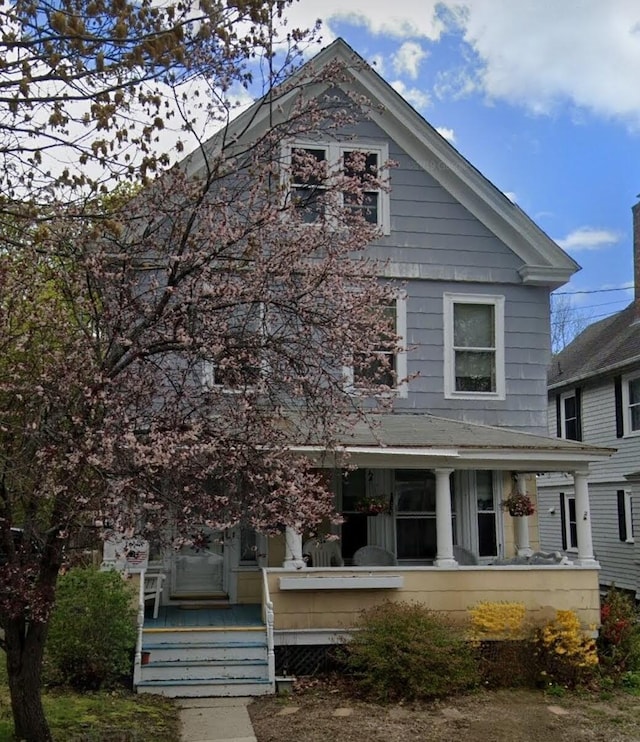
(363, 166)
(308, 181)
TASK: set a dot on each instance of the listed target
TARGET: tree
(162, 351)
(567, 321)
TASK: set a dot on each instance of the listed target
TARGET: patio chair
(374, 556)
(464, 557)
(153, 588)
(323, 553)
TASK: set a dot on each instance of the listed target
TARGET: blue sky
(542, 96)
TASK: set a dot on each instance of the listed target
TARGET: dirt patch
(485, 716)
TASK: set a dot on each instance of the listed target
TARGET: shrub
(405, 651)
(566, 655)
(92, 633)
(619, 638)
(503, 642)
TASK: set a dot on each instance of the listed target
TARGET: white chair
(153, 588)
(374, 556)
(323, 553)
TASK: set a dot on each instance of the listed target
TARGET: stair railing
(268, 618)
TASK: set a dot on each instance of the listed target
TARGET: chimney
(636, 255)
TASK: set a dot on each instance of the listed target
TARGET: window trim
(401, 389)
(566, 522)
(563, 416)
(628, 432)
(334, 153)
(449, 302)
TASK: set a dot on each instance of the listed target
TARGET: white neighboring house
(594, 397)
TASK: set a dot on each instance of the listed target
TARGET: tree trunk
(25, 650)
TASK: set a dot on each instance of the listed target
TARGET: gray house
(467, 428)
(594, 397)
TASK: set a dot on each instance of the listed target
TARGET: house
(594, 397)
(468, 427)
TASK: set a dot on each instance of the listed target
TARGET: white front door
(201, 572)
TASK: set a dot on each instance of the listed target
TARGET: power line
(591, 291)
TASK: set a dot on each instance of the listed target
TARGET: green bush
(92, 633)
(619, 635)
(405, 651)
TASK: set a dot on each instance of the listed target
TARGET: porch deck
(225, 617)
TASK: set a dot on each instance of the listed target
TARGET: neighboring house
(594, 397)
(468, 426)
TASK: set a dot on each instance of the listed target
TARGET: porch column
(444, 531)
(522, 523)
(583, 520)
(293, 549)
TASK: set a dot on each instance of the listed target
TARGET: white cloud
(408, 58)
(447, 133)
(588, 238)
(513, 197)
(419, 99)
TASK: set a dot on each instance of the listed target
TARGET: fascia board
(595, 375)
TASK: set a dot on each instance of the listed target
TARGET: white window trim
(401, 389)
(628, 516)
(567, 522)
(449, 301)
(334, 154)
(563, 417)
(626, 412)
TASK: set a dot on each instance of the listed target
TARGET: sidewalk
(215, 720)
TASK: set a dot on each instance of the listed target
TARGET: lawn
(116, 716)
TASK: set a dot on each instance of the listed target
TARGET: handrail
(268, 617)
(137, 662)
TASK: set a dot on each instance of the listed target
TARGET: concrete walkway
(216, 720)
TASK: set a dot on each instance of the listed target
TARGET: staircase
(197, 662)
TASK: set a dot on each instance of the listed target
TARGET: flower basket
(518, 505)
(373, 505)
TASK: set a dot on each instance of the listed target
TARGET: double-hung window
(314, 167)
(625, 516)
(569, 522)
(631, 404)
(474, 346)
(568, 414)
(386, 363)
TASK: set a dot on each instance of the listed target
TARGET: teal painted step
(204, 651)
(198, 688)
(208, 670)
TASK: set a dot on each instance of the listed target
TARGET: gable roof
(605, 346)
(543, 261)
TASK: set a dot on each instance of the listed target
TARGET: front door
(201, 572)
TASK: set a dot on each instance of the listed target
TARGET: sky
(542, 96)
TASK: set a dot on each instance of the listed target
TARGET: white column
(583, 520)
(522, 523)
(293, 549)
(444, 531)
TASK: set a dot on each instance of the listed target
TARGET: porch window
(416, 537)
(569, 522)
(354, 528)
(486, 505)
(474, 346)
(248, 546)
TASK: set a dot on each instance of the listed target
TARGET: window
(486, 507)
(568, 415)
(625, 516)
(569, 522)
(473, 346)
(354, 527)
(630, 405)
(311, 166)
(387, 363)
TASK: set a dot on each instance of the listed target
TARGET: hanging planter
(518, 505)
(374, 505)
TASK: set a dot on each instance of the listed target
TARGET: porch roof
(423, 440)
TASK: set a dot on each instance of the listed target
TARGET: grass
(105, 716)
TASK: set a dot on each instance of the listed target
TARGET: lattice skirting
(305, 659)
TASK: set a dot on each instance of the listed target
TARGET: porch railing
(137, 662)
(268, 617)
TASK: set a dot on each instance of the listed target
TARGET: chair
(153, 588)
(464, 557)
(374, 556)
(323, 553)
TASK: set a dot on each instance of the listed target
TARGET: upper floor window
(312, 166)
(631, 404)
(474, 346)
(386, 364)
(568, 415)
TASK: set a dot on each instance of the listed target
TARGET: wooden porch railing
(268, 617)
